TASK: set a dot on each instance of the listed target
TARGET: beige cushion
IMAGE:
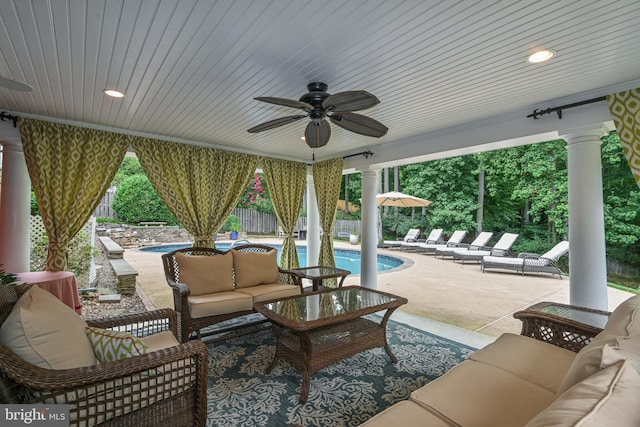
(269, 292)
(480, 395)
(255, 268)
(405, 414)
(160, 341)
(47, 333)
(621, 338)
(607, 398)
(205, 274)
(219, 303)
(532, 360)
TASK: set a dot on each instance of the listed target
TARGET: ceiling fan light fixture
(541, 56)
(113, 93)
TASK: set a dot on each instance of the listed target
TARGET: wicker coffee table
(318, 329)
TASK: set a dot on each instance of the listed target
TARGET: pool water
(345, 258)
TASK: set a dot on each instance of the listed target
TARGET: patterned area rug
(344, 394)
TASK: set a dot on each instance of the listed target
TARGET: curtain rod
(538, 112)
(6, 116)
(366, 154)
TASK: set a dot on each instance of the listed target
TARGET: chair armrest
(566, 326)
(140, 324)
(528, 255)
(290, 278)
(166, 378)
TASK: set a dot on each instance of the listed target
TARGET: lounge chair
(479, 243)
(528, 262)
(456, 239)
(434, 238)
(411, 236)
(502, 248)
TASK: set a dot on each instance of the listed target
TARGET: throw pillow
(255, 268)
(205, 274)
(45, 332)
(109, 345)
(621, 338)
(603, 399)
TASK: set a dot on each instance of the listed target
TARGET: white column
(369, 242)
(15, 207)
(313, 222)
(587, 255)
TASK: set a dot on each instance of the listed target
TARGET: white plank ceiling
(190, 69)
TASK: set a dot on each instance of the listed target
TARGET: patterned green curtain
(199, 185)
(625, 110)
(70, 168)
(327, 177)
(286, 182)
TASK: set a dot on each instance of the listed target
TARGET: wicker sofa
(47, 356)
(558, 372)
(210, 286)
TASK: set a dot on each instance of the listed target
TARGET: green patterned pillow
(111, 345)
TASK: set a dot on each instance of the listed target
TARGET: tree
(129, 166)
(256, 195)
(136, 201)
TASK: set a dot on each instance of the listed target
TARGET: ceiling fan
(318, 105)
(14, 85)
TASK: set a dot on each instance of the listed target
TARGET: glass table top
(594, 319)
(324, 305)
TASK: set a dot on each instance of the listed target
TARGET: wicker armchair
(166, 387)
(567, 326)
(191, 327)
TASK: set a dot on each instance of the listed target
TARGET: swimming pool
(345, 258)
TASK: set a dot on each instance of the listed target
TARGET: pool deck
(449, 299)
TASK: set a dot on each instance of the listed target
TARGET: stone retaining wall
(130, 236)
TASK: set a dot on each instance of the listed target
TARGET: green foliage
(79, 254)
(256, 195)
(103, 220)
(231, 224)
(7, 278)
(35, 210)
(130, 166)
(136, 201)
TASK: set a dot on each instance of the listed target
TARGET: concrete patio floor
(449, 299)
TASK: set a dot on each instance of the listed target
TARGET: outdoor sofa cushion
(269, 292)
(111, 345)
(606, 398)
(532, 360)
(219, 303)
(406, 414)
(480, 395)
(47, 333)
(206, 274)
(255, 268)
(619, 340)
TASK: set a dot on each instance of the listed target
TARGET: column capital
(584, 134)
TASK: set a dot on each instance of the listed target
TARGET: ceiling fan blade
(275, 123)
(317, 134)
(359, 124)
(350, 101)
(14, 85)
(286, 102)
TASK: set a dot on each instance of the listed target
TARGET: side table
(563, 325)
(62, 284)
(319, 273)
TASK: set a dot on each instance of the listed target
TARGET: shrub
(136, 201)
(231, 224)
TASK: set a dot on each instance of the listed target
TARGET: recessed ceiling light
(541, 56)
(303, 138)
(113, 93)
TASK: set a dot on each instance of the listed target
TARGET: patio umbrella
(395, 198)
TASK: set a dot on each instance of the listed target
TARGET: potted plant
(353, 237)
(234, 226)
